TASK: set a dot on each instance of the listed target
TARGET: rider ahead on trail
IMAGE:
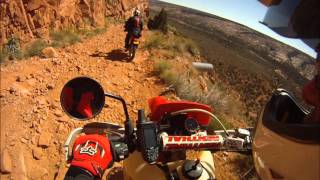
(133, 26)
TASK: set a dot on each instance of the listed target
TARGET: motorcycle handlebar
(170, 143)
(240, 142)
(209, 142)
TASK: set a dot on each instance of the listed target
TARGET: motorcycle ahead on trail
(133, 46)
(156, 147)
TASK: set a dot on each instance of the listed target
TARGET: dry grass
(187, 86)
(174, 44)
(64, 38)
(35, 48)
(185, 79)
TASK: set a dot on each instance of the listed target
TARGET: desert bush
(35, 48)
(174, 44)
(13, 48)
(64, 37)
(157, 40)
(187, 87)
(170, 78)
(162, 66)
(179, 44)
(159, 22)
(87, 33)
(192, 48)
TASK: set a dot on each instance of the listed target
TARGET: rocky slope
(236, 36)
(28, 19)
(248, 62)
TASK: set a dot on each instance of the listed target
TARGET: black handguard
(120, 150)
(147, 138)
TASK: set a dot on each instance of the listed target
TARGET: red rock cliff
(29, 19)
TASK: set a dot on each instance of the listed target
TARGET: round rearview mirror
(82, 98)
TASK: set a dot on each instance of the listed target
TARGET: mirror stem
(123, 104)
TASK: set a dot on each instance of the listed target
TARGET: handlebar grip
(196, 142)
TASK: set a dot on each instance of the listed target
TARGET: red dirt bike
(156, 147)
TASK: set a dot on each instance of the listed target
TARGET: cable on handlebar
(203, 111)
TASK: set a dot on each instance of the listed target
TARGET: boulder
(58, 113)
(37, 153)
(50, 86)
(49, 52)
(44, 139)
(21, 79)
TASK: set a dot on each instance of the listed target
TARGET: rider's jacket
(134, 24)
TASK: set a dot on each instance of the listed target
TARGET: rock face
(29, 19)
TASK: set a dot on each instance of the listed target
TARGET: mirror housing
(82, 98)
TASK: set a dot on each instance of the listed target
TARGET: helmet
(136, 12)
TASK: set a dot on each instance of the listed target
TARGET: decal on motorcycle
(182, 142)
(87, 149)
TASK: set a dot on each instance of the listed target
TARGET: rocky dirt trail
(33, 125)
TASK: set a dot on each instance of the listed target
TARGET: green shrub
(192, 48)
(162, 66)
(35, 48)
(170, 77)
(64, 37)
(173, 43)
(13, 49)
(155, 41)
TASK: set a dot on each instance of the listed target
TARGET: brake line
(203, 111)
